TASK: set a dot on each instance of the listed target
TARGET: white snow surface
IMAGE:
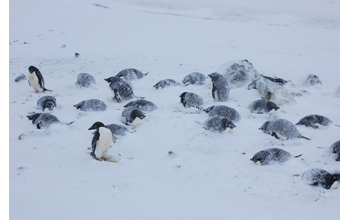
(209, 175)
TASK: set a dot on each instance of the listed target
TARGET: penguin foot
(103, 159)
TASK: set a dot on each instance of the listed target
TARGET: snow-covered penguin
(281, 129)
(223, 111)
(315, 121)
(194, 78)
(189, 99)
(85, 80)
(133, 116)
(47, 104)
(271, 155)
(122, 89)
(220, 87)
(312, 80)
(218, 124)
(44, 120)
(166, 83)
(101, 141)
(317, 176)
(91, 105)
(36, 80)
(263, 106)
(142, 104)
(120, 130)
(334, 151)
(131, 74)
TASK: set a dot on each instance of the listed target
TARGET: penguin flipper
(94, 141)
(40, 78)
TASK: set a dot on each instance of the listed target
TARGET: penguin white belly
(227, 130)
(320, 126)
(46, 110)
(34, 82)
(283, 138)
(137, 121)
(272, 111)
(216, 97)
(103, 143)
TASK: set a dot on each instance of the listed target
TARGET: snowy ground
(52, 175)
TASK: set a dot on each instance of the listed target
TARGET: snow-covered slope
(208, 175)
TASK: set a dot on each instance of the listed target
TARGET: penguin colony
(221, 117)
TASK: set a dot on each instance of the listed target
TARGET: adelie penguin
(220, 87)
(223, 111)
(315, 121)
(101, 141)
(36, 80)
(189, 99)
(218, 124)
(272, 155)
(281, 129)
(44, 120)
(133, 116)
(317, 176)
(131, 74)
(47, 104)
(263, 106)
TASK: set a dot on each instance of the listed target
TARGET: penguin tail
(45, 89)
(198, 123)
(201, 125)
(200, 108)
(305, 138)
(69, 123)
(139, 97)
(132, 129)
(298, 156)
(146, 73)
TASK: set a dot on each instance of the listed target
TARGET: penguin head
(214, 76)
(79, 105)
(188, 80)
(259, 157)
(33, 117)
(264, 126)
(330, 179)
(182, 96)
(32, 69)
(252, 85)
(49, 105)
(96, 125)
(110, 79)
(256, 159)
(209, 109)
(129, 104)
(137, 113)
(271, 105)
(228, 123)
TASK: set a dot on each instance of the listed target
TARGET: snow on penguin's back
(239, 72)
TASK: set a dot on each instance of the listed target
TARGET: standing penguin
(101, 141)
(220, 88)
(36, 80)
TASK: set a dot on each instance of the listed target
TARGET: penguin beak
(91, 128)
